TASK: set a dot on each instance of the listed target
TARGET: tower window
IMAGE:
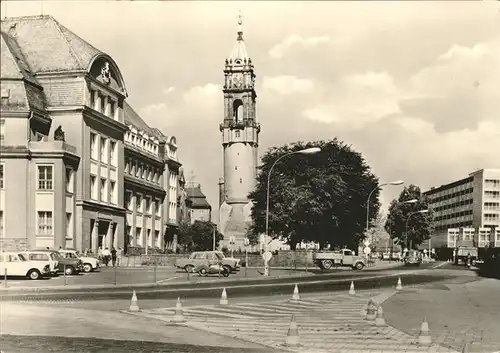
(237, 133)
(237, 110)
(235, 167)
(241, 180)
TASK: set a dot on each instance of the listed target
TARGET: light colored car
(89, 263)
(34, 255)
(17, 264)
(199, 258)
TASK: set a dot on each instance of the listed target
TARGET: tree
(419, 224)
(199, 236)
(317, 197)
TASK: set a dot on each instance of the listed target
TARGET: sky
(410, 85)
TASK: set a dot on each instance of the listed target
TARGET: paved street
(328, 323)
(458, 311)
(143, 275)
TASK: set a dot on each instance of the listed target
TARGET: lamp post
(407, 219)
(397, 182)
(311, 150)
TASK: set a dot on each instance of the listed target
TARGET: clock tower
(240, 141)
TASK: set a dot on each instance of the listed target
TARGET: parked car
(17, 264)
(206, 257)
(89, 263)
(44, 257)
(70, 266)
(230, 262)
(413, 258)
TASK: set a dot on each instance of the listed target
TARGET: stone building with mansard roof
(67, 136)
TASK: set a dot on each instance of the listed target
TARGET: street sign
(267, 256)
(366, 242)
(405, 250)
(367, 250)
(247, 242)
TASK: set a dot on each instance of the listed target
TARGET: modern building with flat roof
(471, 203)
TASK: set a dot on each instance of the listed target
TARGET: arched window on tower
(238, 110)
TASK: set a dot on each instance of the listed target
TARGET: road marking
(267, 323)
(439, 265)
(169, 279)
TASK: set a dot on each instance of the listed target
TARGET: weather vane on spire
(240, 22)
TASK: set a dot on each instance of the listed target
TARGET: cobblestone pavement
(332, 324)
(459, 312)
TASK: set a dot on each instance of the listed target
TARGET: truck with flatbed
(342, 258)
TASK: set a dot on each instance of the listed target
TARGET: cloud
(286, 84)
(169, 90)
(153, 109)
(280, 49)
(356, 100)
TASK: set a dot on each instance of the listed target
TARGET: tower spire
(240, 26)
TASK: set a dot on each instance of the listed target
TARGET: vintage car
(89, 263)
(17, 264)
(412, 258)
(345, 257)
(69, 266)
(35, 255)
(207, 257)
(210, 269)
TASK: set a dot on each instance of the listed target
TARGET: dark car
(70, 266)
(413, 258)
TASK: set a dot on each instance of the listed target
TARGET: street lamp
(311, 150)
(397, 182)
(407, 219)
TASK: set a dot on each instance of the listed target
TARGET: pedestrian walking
(119, 256)
(106, 255)
(113, 256)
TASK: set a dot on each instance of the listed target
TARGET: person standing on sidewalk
(119, 256)
(113, 256)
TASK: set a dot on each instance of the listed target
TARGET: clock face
(238, 80)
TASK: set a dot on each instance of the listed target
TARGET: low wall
(299, 258)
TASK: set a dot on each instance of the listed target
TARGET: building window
(144, 172)
(112, 186)
(237, 133)
(127, 167)
(112, 153)
(112, 108)
(157, 238)
(157, 207)
(138, 236)
(69, 180)
(132, 168)
(103, 103)
(138, 170)
(104, 150)
(128, 233)
(1, 224)
(128, 200)
(44, 223)
(69, 226)
(148, 205)
(1, 176)
(103, 190)
(93, 187)
(148, 238)
(93, 144)
(2, 130)
(138, 203)
(45, 177)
